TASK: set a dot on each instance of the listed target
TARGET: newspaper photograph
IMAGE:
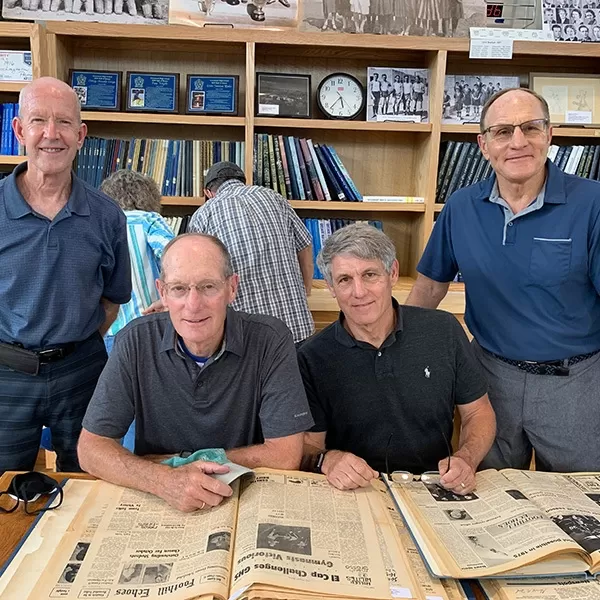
(296, 531)
(496, 529)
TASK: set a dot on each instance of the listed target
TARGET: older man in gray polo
(198, 376)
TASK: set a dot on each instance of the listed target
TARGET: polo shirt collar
(344, 337)
(17, 206)
(555, 186)
(234, 335)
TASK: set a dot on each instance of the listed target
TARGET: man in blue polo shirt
(65, 270)
(527, 242)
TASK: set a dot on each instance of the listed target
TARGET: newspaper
(281, 534)
(516, 522)
(560, 588)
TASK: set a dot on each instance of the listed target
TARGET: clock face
(341, 96)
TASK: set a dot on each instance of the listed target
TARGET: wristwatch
(319, 463)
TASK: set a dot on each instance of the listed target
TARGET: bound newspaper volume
(282, 535)
(515, 524)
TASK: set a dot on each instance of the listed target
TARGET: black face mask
(29, 487)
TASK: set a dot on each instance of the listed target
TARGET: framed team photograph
(572, 99)
(283, 95)
(465, 95)
(397, 94)
(572, 20)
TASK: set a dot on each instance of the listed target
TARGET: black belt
(20, 359)
(559, 368)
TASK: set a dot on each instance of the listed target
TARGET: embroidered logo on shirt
(427, 372)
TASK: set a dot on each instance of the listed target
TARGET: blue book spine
(337, 173)
(297, 175)
(344, 171)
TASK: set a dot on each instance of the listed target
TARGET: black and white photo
(584, 529)
(448, 18)
(396, 94)
(283, 95)
(221, 540)
(154, 12)
(441, 494)
(285, 538)
(572, 20)
(465, 95)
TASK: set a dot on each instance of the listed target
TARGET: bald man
(201, 375)
(65, 270)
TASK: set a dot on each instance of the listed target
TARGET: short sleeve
(470, 382)
(438, 261)
(159, 235)
(111, 409)
(284, 409)
(316, 407)
(198, 222)
(117, 288)
(302, 238)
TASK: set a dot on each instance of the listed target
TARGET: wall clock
(341, 96)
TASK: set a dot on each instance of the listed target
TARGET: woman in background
(147, 235)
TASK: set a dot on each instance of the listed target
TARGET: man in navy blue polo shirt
(527, 242)
(384, 380)
(65, 270)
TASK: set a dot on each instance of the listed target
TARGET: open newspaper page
(559, 588)
(125, 543)
(429, 588)
(296, 532)
(494, 530)
(571, 500)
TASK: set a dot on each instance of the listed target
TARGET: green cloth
(216, 455)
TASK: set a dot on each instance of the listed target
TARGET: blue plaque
(152, 92)
(212, 94)
(97, 90)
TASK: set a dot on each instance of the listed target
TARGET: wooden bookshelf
(11, 160)
(24, 36)
(383, 158)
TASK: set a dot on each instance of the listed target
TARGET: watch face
(340, 96)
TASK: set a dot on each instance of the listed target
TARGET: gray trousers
(558, 417)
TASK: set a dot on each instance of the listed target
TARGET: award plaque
(212, 94)
(97, 90)
(152, 92)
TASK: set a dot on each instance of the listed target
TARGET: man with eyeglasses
(527, 242)
(200, 376)
(384, 380)
(64, 270)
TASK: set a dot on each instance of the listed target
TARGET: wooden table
(13, 526)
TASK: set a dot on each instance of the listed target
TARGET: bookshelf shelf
(358, 206)
(6, 160)
(467, 128)
(148, 118)
(437, 207)
(194, 201)
(343, 125)
(12, 86)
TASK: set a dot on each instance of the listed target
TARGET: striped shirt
(263, 235)
(147, 235)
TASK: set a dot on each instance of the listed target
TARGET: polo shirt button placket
(379, 353)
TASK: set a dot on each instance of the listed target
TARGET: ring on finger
(203, 505)
(462, 485)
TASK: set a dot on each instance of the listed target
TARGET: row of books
(299, 169)
(461, 164)
(177, 166)
(321, 229)
(178, 224)
(577, 160)
(9, 146)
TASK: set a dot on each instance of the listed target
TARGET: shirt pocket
(550, 262)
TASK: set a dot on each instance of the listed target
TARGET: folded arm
(427, 292)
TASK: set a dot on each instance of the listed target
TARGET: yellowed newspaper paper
(295, 531)
(495, 529)
(563, 588)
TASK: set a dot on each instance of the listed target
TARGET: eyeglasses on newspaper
(29, 487)
(433, 477)
(504, 133)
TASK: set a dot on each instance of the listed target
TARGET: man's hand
(190, 487)
(346, 471)
(460, 478)
(154, 308)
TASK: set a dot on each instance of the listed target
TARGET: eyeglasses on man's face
(209, 288)
(532, 129)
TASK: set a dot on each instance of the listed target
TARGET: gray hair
(492, 99)
(132, 191)
(227, 264)
(360, 240)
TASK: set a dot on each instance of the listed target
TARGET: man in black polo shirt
(384, 380)
(199, 376)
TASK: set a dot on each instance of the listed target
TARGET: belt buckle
(50, 354)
